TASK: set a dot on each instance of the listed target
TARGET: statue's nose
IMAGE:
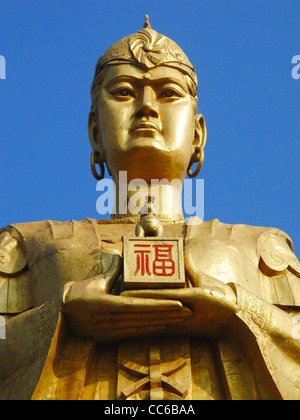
(147, 105)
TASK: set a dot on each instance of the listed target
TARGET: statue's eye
(169, 93)
(122, 93)
(125, 92)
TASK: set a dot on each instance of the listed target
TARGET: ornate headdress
(148, 49)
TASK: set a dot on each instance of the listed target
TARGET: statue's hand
(90, 288)
(212, 307)
(92, 312)
(213, 303)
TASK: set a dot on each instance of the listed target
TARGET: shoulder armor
(276, 252)
(13, 259)
(280, 267)
(15, 296)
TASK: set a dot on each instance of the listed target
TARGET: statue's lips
(145, 126)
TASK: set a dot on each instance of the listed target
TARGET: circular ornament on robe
(13, 260)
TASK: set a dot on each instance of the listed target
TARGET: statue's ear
(95, 139)
(200, 132)
(198, 146)
(94, 134)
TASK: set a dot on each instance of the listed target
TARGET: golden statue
(145, 305)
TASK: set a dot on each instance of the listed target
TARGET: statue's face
(146, 122)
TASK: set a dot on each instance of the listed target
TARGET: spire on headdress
(147, 24)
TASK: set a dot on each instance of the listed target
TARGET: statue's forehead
(130, 71)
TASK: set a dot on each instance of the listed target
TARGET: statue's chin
(146, 143)
(151, 161)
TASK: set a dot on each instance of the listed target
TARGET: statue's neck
(130, 199)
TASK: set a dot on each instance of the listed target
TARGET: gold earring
(95, 158)
(198, 155)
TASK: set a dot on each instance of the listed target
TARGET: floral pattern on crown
(148, 48)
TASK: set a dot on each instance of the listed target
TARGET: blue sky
(242, 50)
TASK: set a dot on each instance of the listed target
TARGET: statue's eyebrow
(142, 81)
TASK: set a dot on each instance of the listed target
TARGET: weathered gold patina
(74, 332)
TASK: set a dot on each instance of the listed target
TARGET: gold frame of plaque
(157, 263)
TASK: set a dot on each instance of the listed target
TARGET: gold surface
(74, 333)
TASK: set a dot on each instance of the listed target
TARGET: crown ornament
(147, 49)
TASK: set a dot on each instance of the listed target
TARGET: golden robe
(255, 357)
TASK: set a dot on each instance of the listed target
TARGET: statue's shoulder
(43, 254)
(260, 238)
(20, 243)
(241, 236)
(15, 293)
(265, 254)
(52, 230)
